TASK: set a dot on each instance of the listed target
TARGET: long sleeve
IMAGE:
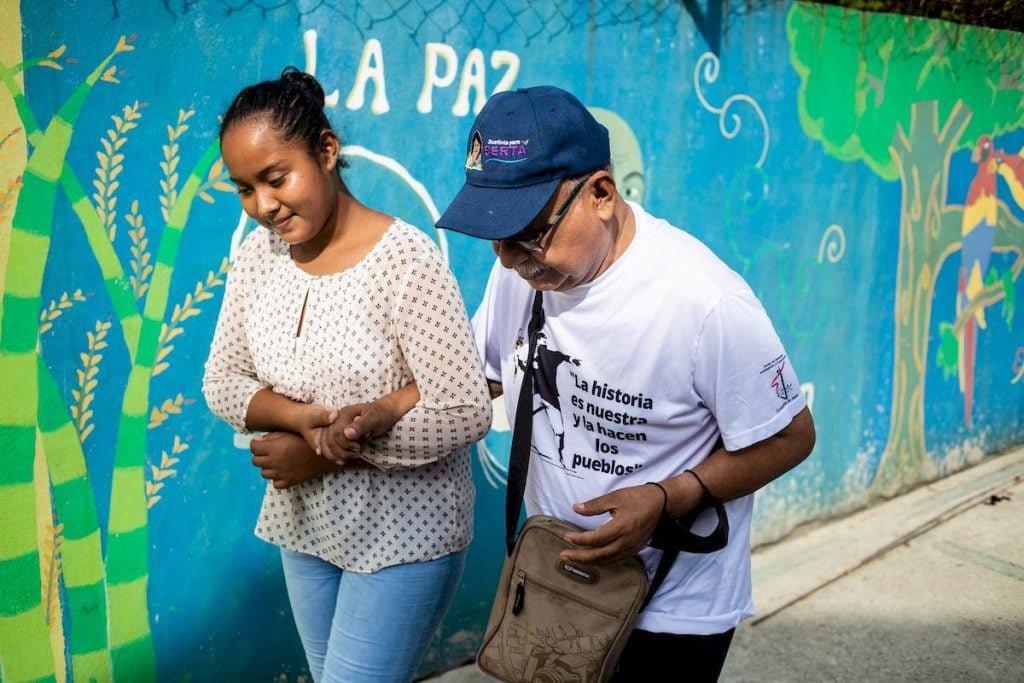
(454, 410)
(229, 381)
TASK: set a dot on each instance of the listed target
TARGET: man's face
(573, 252)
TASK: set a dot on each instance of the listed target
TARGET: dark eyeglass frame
(534, 243)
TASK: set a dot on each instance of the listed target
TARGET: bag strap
(522, 432)
(674, 536)
(668, 558)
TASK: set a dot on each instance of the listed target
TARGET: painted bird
(977, 236)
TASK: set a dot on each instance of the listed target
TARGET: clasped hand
(339, 434)
(327, 439)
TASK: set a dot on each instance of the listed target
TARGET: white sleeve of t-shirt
(484, 331)
(742, 372)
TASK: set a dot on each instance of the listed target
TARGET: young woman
(343, 334)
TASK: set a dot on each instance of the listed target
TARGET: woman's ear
(330, 148)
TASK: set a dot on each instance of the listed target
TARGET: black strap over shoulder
(519, 457)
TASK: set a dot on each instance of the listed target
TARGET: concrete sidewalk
(928, 586)
(925, 587)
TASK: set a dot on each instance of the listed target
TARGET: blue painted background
(217, 601)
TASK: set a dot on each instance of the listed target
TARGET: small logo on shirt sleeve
(775, 373)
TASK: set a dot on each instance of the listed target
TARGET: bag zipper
(517, 603)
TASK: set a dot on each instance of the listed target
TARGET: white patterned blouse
(394, 317)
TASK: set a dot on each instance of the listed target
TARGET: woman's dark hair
(294, 105)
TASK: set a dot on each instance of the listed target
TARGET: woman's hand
(311, 420)
(285, 459)
(355, 424)
(271, 412)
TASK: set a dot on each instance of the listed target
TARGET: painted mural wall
(864, 173)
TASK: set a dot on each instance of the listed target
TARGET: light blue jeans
(359, 627)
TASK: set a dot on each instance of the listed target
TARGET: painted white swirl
(416, 186)
(709, 62)
(832, 245)
(494, 471)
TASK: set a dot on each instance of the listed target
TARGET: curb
(788, 571)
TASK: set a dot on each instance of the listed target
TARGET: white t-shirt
(638, 374)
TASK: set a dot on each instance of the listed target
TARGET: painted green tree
(901, 94)
(105, 597)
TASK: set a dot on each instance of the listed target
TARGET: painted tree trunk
(22, 621)
(82, 556)
(928, 234)
(73, 502)
(131, 640)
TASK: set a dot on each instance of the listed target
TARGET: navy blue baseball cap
(522, 145)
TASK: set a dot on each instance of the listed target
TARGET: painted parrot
(977, 236)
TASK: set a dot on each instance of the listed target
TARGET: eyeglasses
(533, 243)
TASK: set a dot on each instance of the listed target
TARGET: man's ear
(604, 193)
(330, 148)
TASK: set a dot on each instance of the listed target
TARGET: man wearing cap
(677, 390)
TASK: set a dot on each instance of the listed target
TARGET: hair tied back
(292, 75)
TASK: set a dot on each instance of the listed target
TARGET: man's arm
(635, 510)
(734, 474)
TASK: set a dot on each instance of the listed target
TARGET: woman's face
(476, 146)
(280, 185)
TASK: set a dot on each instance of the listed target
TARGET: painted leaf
(123, 45)
(160, 475)
(156, 418)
